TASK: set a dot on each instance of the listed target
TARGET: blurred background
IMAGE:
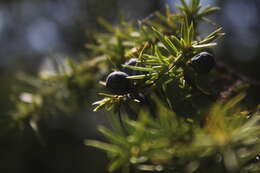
(32, 32)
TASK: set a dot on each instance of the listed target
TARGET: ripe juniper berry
(203, 62)
(118, 83)
(133, 62)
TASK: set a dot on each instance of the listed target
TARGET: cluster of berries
(118, 83)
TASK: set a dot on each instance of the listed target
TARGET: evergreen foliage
(173, 118)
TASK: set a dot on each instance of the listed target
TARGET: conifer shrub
(189, 116)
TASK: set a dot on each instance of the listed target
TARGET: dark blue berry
(118, 83)
(133, 62)
(203, 62)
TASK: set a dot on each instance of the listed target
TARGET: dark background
(32, 32)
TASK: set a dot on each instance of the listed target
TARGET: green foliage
(162, 58)
(49, 94)
(183, 123)
(184, 135)
(170, 142)
(193, 11)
